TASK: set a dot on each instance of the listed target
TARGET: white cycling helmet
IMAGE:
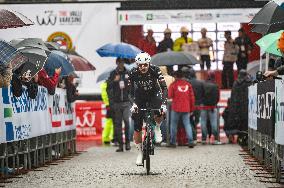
(142, 58)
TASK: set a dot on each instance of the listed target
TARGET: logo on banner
(89, 119)
(265, 105)
(63, 17)
(49, 18)
(62, 38)
(25, 104)
(204, 16)
(22, 132)
(70, 17)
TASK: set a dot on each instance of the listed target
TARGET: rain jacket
(114, 91)
(107, 134)
(49, 82)
(181, 93)
(180, 41)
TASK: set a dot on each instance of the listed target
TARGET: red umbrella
(11, 19)
(80, 63)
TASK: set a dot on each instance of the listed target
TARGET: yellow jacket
(104, 93)
(179, 42)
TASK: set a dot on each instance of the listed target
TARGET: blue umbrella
(104, 76)
(58, 59)
(121, 50)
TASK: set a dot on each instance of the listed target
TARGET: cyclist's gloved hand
(163, 108)
(134, 108)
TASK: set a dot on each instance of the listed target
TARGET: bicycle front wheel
(148, 150)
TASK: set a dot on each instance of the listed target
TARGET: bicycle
(148, 142)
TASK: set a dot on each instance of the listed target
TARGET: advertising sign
(252, 107)
(279, 112)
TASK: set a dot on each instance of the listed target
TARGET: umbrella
(268, 43)
(122, 50)
(267, 28)
(271, 13)
(57, 59)
(254, 66)
(36, 60)
(30, 43)
(9, 54)
(52, 45)
(80, 63)
(12, 19)
(174, 58)
(104, 76)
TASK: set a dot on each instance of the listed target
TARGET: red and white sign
(89, 118)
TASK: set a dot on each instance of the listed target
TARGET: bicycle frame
(148, 146)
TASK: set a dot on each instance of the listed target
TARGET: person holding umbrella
(48, 82)
(118, 91)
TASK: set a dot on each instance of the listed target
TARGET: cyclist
(148, 89)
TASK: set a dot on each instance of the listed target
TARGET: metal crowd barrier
(262, 146)
(20, 156)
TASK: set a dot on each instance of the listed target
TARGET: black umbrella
(174, 58)
(267, 28)
(271, 13)
(29, 43)
(36, 60)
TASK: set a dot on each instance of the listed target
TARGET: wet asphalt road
(203, 166)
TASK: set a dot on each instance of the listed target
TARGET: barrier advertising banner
(24, 118)
(279, 112)
(89, 120)
(252, 107)
(265, 107)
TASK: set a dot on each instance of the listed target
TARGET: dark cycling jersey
(148, 84)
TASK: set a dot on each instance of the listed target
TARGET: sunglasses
(143, 65)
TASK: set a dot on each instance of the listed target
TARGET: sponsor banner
(83, 27)
(24, 118)
(279, 112)
(61, 112)
(89, 119)
(252, 107)
(140, 17)
(266, 107)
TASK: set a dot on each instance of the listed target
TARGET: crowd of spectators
(191, 100)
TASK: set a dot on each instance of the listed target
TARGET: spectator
(245, 46)
(198, 89)
(5, 75)
(71, 90)
(119, 101)
(169, 79)
(210, 101)
(107, 135)
(204, 45)
(229, 58)
(179, 42)
(167, 43)
(230, 130)
(181, 93)
(49, 82)
(238, 116)
(148, 44)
